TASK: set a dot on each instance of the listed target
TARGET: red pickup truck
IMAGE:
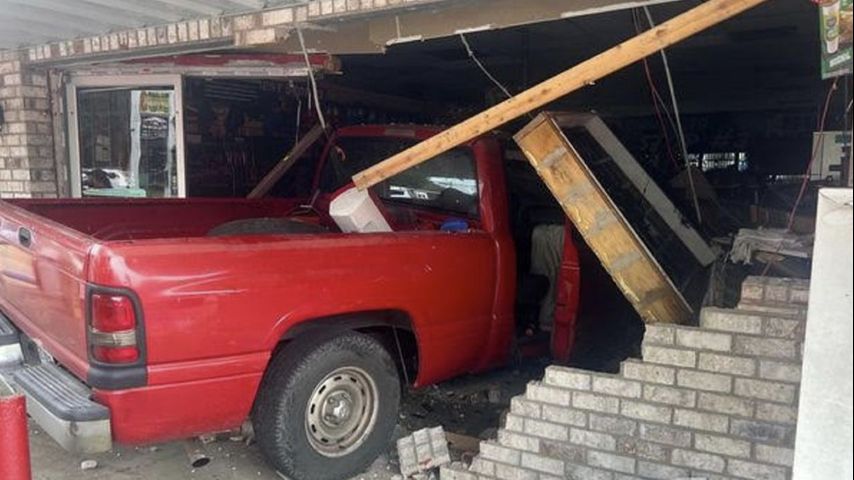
(143, 320)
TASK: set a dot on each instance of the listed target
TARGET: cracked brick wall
(717, 401)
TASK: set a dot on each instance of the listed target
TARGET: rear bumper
(76, 432)
(59, 403)
(178, 408)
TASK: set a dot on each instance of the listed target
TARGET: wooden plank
(285, 164)
(674, 30)
(620, 250)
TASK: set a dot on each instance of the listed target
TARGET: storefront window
(127, 142)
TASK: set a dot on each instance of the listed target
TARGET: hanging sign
(836, 34)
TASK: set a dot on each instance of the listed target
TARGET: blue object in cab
(454, 225)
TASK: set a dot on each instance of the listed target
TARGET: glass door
(125, 136)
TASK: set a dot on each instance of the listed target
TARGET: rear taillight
(115, 354)
(112, 313)
(112, 330)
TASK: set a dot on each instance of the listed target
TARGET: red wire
(806, 180)
(656, 99)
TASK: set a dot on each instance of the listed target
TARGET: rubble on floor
(423, 451)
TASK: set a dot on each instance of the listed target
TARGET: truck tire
(327, 406)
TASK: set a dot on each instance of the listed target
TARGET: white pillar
(823, 444)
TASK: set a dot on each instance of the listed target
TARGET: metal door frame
(89, 81)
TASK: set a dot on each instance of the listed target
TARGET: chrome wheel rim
(341, 412)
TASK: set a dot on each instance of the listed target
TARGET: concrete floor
(463, 406)
(229, 461)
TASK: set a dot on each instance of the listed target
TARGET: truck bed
(127, 219)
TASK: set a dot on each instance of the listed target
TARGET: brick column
(27, 167)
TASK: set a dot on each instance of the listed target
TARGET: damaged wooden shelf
(612, 238)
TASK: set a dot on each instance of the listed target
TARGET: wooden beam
(674, 30)
(285, 164)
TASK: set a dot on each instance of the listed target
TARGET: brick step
(785, 370)
(768, 395)
(746, 398)
(752, 322)
(710, 340)
(758, 289)
(781, 389)
(791, 310)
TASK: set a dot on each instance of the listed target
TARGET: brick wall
(27, 167)
(717, 401)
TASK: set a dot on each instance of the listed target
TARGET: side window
(447, 182)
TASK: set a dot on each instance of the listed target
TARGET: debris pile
(423, 452)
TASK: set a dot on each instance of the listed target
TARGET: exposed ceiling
(752, 83)
(765, 58)
(33, 22)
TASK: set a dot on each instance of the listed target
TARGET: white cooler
(355, 211)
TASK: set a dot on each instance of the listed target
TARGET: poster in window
(836, 37)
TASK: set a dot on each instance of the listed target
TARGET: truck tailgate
(42, 283)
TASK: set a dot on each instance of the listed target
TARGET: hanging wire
(482, 68)
(822, 120)
(657, 101)
(299, 118)
(311, 79)
(821, 124)
(679, 130)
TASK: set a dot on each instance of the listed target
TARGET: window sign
(836, 37)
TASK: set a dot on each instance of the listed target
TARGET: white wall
(823, 446)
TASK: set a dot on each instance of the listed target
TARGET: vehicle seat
(546, 256)
(531, 289)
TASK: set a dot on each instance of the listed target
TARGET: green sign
(155, 102)
(836, 34)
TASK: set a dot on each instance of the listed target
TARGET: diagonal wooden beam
(674, 30)
(285, 164)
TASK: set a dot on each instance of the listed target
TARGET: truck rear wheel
(327, 406)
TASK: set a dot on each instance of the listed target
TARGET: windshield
(446, 182)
